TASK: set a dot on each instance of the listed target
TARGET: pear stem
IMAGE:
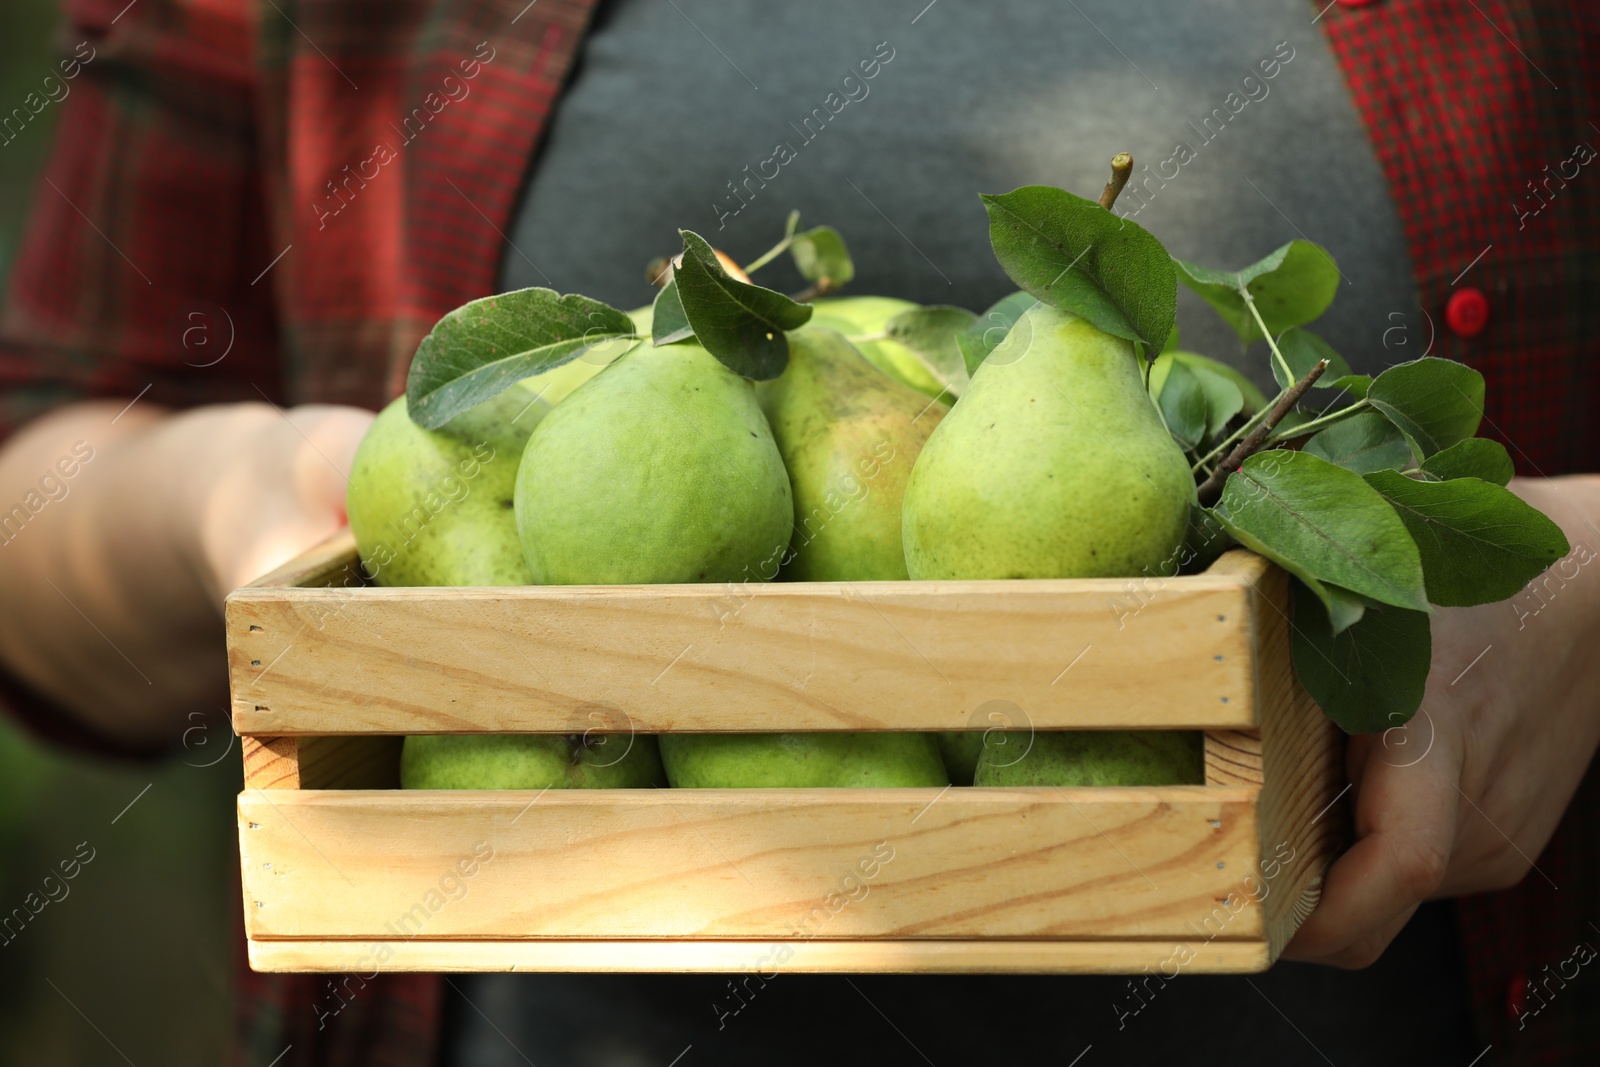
(1322, 422)
(1277, 356)
(1121, 167)
(1211, 488)
(769, 255)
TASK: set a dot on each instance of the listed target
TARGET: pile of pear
(662, 465)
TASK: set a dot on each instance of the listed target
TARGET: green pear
(849, 435)
(797, 761)
(530, 761)
(661, 468)
(434, 507)
(1053, 464)
(862, 317)
(1095, 757)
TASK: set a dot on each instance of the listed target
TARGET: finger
(1364, 952)
(1405, 827)
(1358, 750)
(331, 434)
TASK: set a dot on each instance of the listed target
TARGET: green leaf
(991, 328)
(820, 253)
(740, 323)
(1326, 523)
(667, 321)
(1291, 287)
(1285, 430)
(1371, 676)
(1476, 457)
(1073, 254)
(1436, 402)
(1183, 405)
(1301, 350)
(1343, 607)
(1254, 400)
(1172, 341)
(487, 345)
(931, 334)
(1363, 443)
(1479, 542)
(1354, 384)
(1224, 398)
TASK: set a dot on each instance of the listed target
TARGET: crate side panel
(773, 864)
(1302, 821)
(1172, 653)
(763, 958)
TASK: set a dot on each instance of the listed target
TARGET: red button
(1516, 997)
(1467, 312)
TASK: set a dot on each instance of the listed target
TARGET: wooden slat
(271, 762)
(1172, 653)
(979, 863)
(322, 762)
(1301, 827)
(743, 957)
(332, 563)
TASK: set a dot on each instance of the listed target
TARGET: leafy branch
(1211, 488)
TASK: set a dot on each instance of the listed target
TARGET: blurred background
(132, 962)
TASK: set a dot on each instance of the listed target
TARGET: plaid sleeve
(133, 280)
(134, 277)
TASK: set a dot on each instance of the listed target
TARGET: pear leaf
(1183, 405)
(740, 323)
(1371, 675)
(487, 345)
(1435, 402)
(1172, 341)
(1354, 384)
(931, 334)
(1479, 542)
(991, 328)
(1343, 608)
(1302, 350)
(1291, 287)
(1326, 523)
(1073, 254)
(1224, 398)
(819, 254)
(667, 321)
(1476, 457)
(1363, 443)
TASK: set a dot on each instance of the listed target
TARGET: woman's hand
(117, 586)
(1464, 797)
(260, 485)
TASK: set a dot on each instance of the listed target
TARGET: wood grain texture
(332, 563)
(745, 957)
(322, 762)
(1302, 826)
(271, 762)
(1097, 863)
(1103, 653)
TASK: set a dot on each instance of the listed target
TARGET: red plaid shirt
(216, 168)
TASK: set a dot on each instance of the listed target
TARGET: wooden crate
(345, 872)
